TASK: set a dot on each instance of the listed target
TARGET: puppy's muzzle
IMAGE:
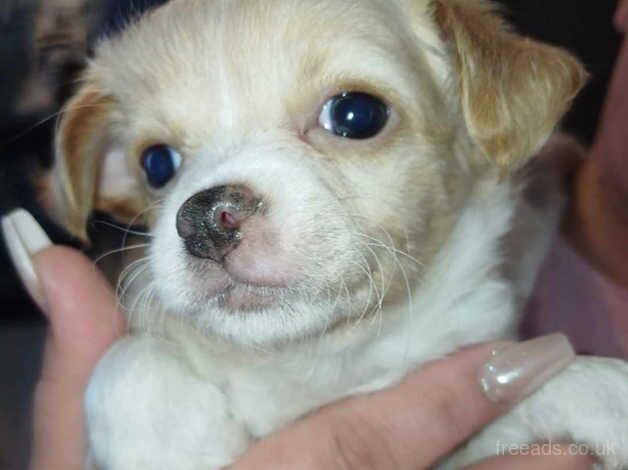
(209, 222)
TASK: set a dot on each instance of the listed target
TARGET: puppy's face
(300, 162)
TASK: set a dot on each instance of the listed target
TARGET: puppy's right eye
(160, 163)
(354, 115)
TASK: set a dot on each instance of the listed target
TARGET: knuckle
(359, 444)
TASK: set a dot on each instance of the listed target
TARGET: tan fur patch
(513, 89)
(81, 144)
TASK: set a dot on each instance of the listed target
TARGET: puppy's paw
(146, 409)
(587, 405)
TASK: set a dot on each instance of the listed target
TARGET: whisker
(144, 298)
(381, 271)
(406, 280)
(390, 239)
(120, 250)
(395, 250)
(155, 204)
(44, 120)
(379, 296)
(369, 275)
(129, 275)
(124, 230)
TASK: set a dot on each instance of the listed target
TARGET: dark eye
(160, 164)
(354, 115)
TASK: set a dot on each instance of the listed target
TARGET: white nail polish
(24, 237)
(514, 372)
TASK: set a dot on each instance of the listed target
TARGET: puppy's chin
(242, 298)
(204, 294)
(250, 320)
(248, 315)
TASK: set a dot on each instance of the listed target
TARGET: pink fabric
(572, 297)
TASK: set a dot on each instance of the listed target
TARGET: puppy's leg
(89, 463)
(587, 404)
(146, 410)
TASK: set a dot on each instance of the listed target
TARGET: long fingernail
(24, 237)
(517, 370)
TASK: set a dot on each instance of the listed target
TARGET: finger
(74, 295)
(84, 321)
(81, 307)
(561, 457)
(611, 140)
(597, 225)
(621, 16)
(420, 420)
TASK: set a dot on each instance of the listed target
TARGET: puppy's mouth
(247, 298)
(236, 293)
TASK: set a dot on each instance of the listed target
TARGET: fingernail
(24, 237)
(517, 370)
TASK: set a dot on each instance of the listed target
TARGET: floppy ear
(513, 90)
(90, 171)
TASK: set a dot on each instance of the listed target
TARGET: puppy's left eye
(354, 115)
(160, 164)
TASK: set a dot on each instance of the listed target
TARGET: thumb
(83, 322)
(72, 293)
(81, 308)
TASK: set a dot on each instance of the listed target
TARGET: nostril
(229, 220)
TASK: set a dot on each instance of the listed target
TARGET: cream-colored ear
(90, 171)
(513, 90)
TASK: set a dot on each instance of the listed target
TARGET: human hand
(597, 224)
(410, 425)
(414, 424)
(83, 322)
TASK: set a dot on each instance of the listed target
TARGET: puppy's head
(300, 162)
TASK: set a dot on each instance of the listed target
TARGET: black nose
(209, 222)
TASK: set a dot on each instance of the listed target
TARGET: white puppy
(328, 186)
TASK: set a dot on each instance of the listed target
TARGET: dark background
(583, 26)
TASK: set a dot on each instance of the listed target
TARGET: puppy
(328, 186)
